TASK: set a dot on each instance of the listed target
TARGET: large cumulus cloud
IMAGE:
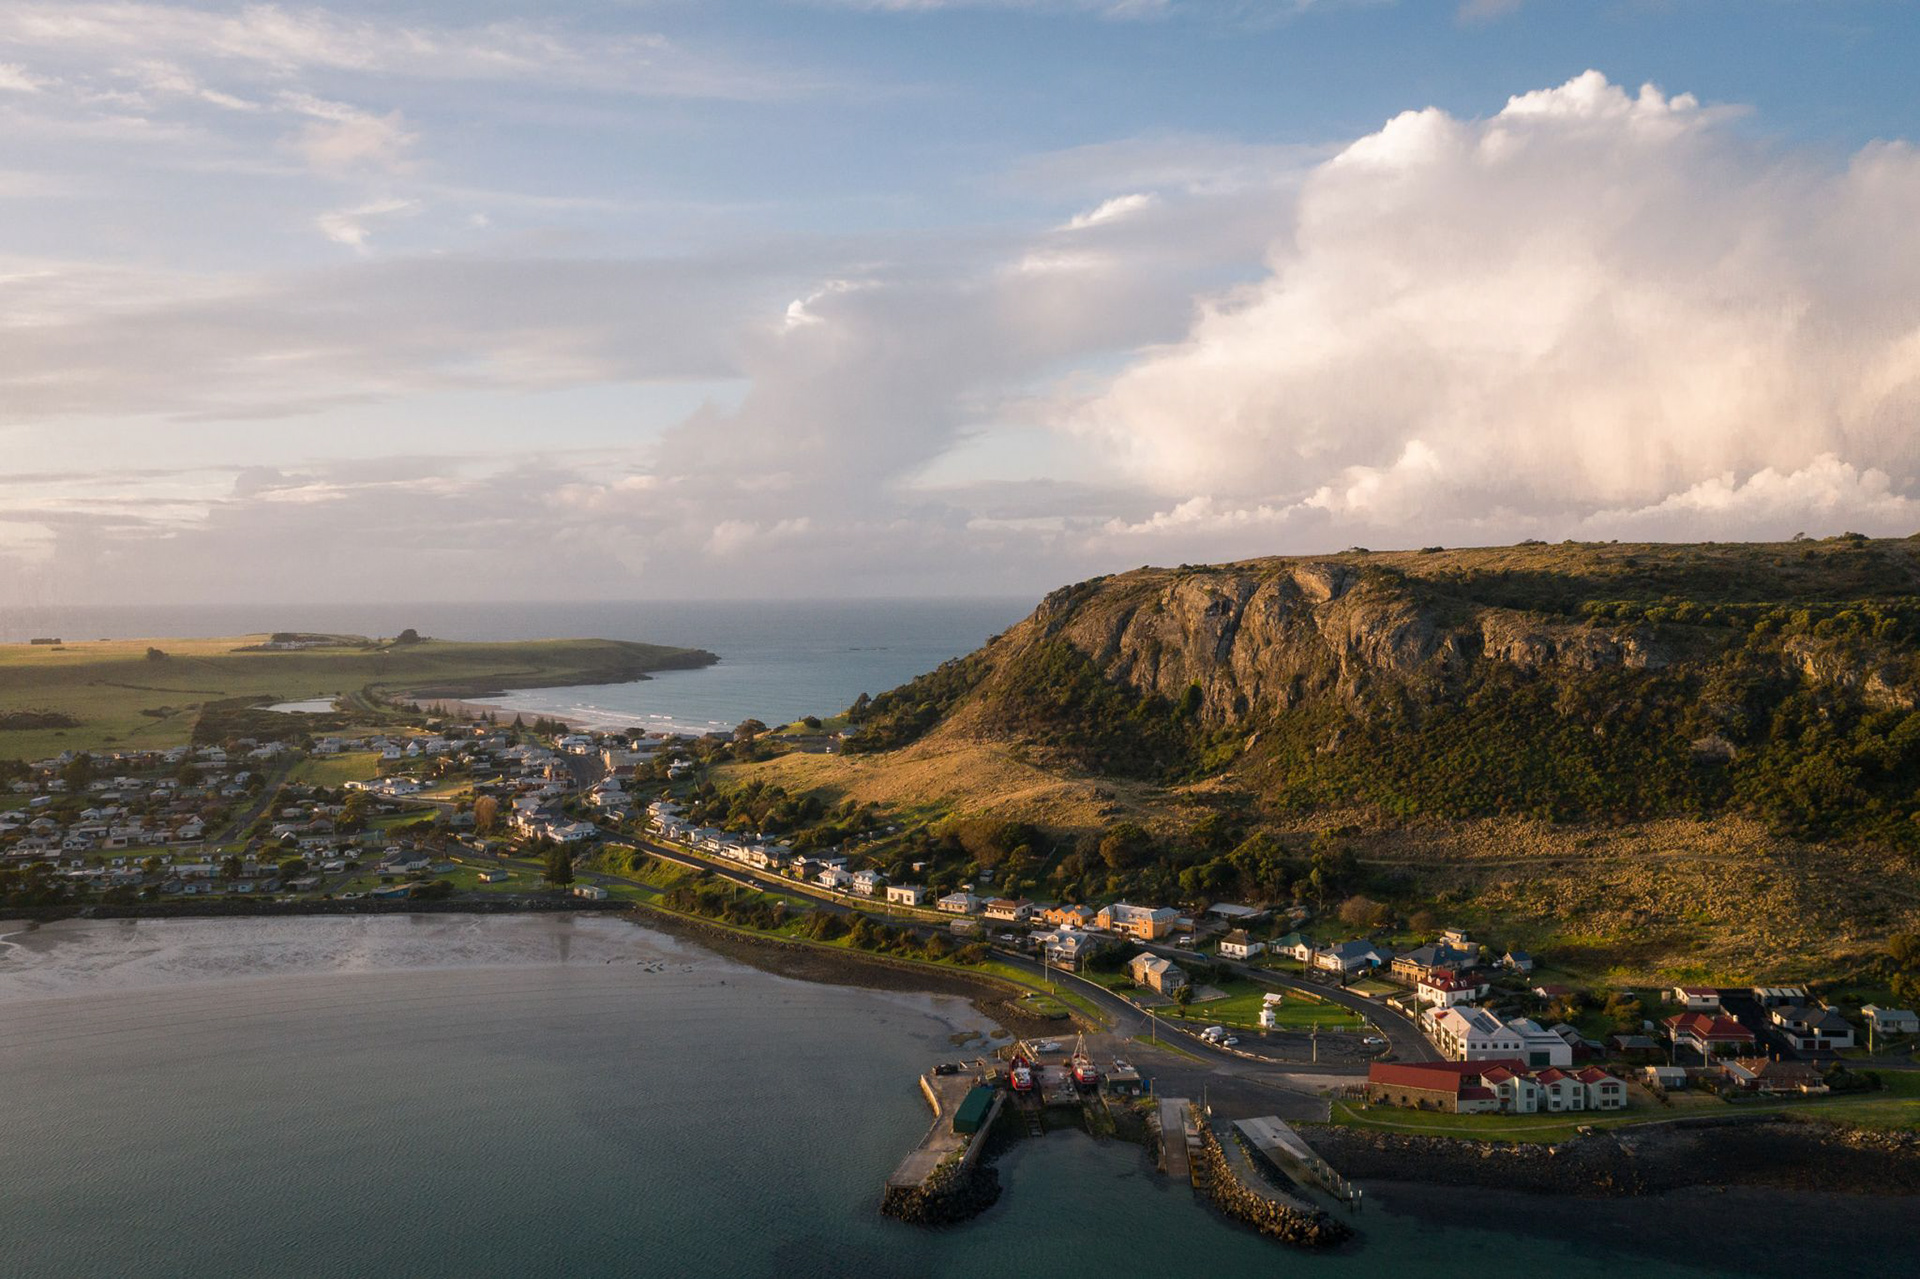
(1591, 310)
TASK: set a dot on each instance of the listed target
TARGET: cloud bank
(1593, 310)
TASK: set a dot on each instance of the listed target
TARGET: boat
(1021, 1076)
(1084, 1072)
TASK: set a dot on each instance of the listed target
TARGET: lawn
(1895, 1106)
(335, 771)
(1244, 999)
(1517, 1128)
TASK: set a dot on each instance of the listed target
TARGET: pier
(1178, 1136)
(1276, 1143)
(946, 1094)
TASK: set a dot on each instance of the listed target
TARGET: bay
(452, 1095)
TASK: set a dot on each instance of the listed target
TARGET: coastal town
(1355, 1026)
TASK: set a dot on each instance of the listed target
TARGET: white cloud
(15, 78)
(1121, 206)
(272, 41)
(342, 139)
(1591, 301)
(351, 227)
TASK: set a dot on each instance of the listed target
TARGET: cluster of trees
(741, 908)
(903, 715)
(806, 820)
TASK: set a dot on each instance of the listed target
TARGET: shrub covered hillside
(1573, 682)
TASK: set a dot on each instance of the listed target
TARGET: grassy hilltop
(1647, 755)
(112, 694)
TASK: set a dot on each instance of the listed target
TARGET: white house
(1006, 910)
(1697, 999)
(868, 882)
(962, 903)
(1813, 1029)
(1474, 1034)
(1892, 1021)
(905, 894)
(1443, 989)
(1239, 945)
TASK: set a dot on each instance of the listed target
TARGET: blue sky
(868, 297)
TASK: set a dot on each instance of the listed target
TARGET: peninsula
(72, 695)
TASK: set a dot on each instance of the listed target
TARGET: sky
(619, 299)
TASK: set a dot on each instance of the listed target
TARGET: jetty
(1282, 1149)
(1178, 1136)
(951, 1132)
(939, 1182)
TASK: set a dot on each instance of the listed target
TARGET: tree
(748, 729)
(408, 636)
(559, 866)
(353, 813)
(1183, 996)
(1362, 912)
(156, 654)
(230, 868)
(78, 772)
(1125, 845)
(486, 815)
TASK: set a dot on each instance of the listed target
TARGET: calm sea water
(526, 1096)
(779, 660)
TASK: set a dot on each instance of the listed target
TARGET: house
(1349, 957)
(492, 876)
(1455, 1087)
(1891, 1021)
(1664, 1078)
(961, 903)
(1697, 999)
(1761, 1074)
(1158, 974)
(1081, 917)
(905, 894)
(1142, 923)
(1517, 1092)
(868, 882)
(592, 892)
(835, 878)
(1813, 1029)
(1504, 1086)
(1517, 960)
(1708, 1034)
(1438, 957)
(1293, 946)
(1238, 945)
(1773, 996)
(1239, 916)
(1006, 910)
(1474, 1034)
(1069, 948)
(1631, 1045)
(1445, 989)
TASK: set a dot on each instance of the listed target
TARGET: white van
(1214, 1034)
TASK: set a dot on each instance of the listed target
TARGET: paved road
(1408, 1044)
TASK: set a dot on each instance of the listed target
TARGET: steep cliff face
(1565, 681)
(1266, 637)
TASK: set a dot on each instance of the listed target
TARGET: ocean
(531, 1096)
(779, 659)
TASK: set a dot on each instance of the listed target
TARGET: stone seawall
(1301, 1226)
(1737, 1150)
(954, 1193)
